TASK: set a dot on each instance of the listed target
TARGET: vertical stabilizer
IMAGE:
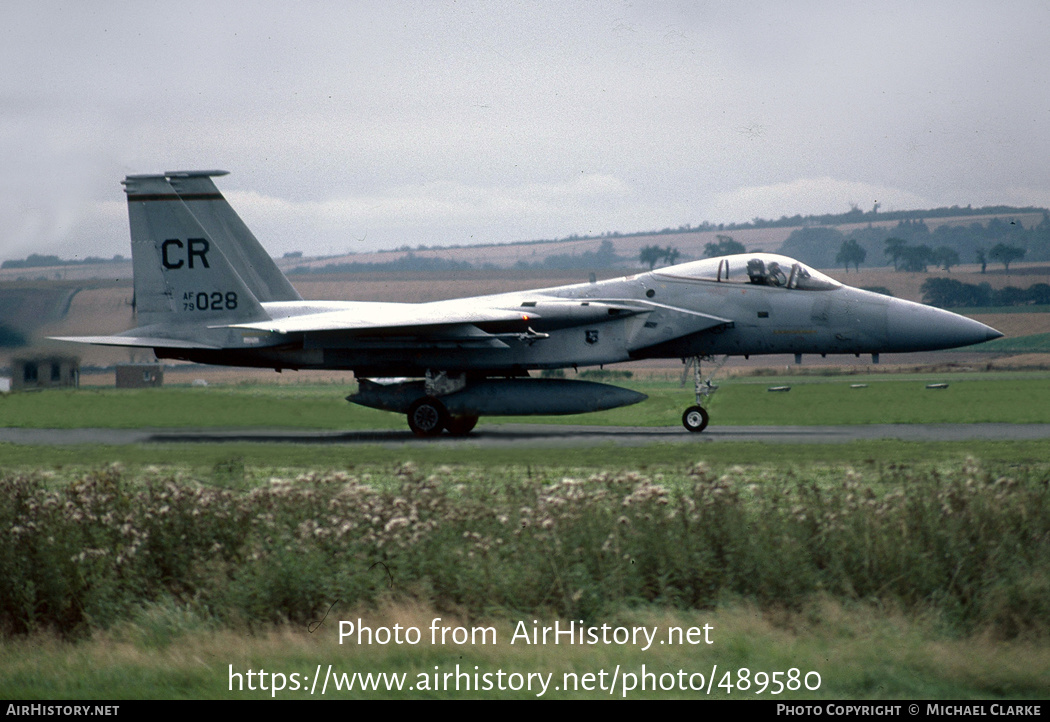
(182, 275)
(238, 243)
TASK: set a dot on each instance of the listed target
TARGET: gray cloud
(413, 122)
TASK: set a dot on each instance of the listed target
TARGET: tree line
(911, 246)
(35, 260)
(408, 262)
(950, 293)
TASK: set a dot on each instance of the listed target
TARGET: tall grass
(970, 544)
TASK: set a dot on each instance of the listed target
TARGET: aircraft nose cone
(925, 328)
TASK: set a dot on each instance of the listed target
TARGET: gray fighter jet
(206, 291)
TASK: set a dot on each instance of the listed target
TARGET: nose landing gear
(695, 418)
(427, 416)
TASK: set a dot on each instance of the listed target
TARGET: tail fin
(182, 272)
(226, 228)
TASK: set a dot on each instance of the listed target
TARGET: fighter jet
(207, 292)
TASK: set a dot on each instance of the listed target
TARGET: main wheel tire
(427, 417)
(695, 419)
(461, 425)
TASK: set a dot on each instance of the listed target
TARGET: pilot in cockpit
(762, 275)
(756, 271)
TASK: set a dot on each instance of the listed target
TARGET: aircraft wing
(375, 317)
(365, 317)
(432, 325)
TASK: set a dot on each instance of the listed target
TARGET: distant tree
(851, 252)
(1039, 294)
(1011, 296)
(814, 245)
(34, 260)
(982, 259)
(650, 255)
(915, 258)
(949, 293)
(1005, 254)
(654, 254)
(945, 258)
(726, 246)
(894, 247)
(606, 254)
(604, 257)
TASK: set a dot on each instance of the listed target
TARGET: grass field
(1001, 397)
(860, 652)
(1034, 343)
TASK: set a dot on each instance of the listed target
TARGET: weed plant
(968, 543)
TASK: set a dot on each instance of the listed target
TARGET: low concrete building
(139, 376)
(45, 372)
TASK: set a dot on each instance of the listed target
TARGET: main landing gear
(427, 416)
(695, 418)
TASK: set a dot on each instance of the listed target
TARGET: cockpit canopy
(761, 269)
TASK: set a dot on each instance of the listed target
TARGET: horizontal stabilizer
(134, 341)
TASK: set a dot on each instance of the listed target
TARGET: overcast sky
(360, 126)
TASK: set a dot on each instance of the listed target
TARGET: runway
(539, 435)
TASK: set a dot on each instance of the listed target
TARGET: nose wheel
(695, 419)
